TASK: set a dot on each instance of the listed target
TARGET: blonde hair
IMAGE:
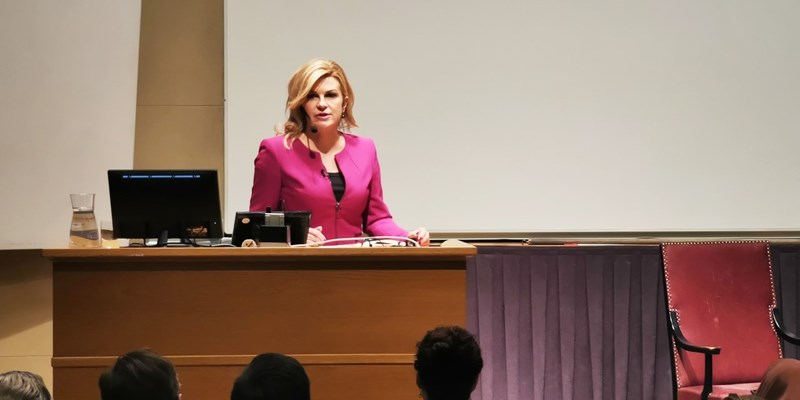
(300, 86)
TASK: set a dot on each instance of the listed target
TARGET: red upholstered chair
(723, 318)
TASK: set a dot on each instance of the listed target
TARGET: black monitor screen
(148, 203)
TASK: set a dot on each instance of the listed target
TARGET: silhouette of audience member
(448, 364)
(22, 385)
(272, 376)
(781, 381)
(140, 375)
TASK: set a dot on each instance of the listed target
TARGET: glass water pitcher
(83, 231)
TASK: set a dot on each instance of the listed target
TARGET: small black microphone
(324, 173)
(313, 130)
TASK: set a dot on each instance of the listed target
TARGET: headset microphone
(313, 130)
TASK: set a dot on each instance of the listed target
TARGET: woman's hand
(421, 235)
(315, 236)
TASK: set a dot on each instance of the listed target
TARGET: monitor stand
(163, 241)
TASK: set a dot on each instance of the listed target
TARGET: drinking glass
(107, 235)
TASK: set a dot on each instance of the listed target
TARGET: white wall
(67, 110)
(541, 115)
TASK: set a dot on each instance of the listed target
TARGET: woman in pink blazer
(314, 165)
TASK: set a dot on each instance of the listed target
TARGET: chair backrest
(723, 295)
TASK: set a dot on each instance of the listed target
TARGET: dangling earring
(343, 121)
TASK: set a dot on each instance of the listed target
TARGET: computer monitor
(182, 204)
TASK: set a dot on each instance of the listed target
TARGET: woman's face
(325, 103)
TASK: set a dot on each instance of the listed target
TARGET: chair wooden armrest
(708, 351)
(777, 319)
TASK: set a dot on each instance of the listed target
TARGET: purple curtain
(583, 322)
(569, 323)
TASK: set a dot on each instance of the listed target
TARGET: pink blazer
(295, 180)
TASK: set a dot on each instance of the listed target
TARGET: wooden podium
(352, 316)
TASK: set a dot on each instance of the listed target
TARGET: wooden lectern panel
(243, 310)
(353, 321)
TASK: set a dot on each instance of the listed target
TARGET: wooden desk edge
(255, 254)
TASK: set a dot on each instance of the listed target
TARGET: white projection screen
(524, 116)
(67, 111)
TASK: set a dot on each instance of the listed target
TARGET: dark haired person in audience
(140, 375)
(448, 363)
(781, 381)
(316, 164)
(22, 385)
(272, 376)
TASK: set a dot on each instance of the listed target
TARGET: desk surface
(255, 254)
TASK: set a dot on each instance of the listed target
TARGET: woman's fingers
(315, 235)
(421, 235)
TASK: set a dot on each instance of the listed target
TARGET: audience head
(272, 376)
(301, 84)
(448, 364)
(140, 375)
(781, 381)
(22, 385)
